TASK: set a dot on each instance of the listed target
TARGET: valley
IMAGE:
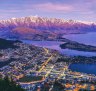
(47, 45)
(37, 52)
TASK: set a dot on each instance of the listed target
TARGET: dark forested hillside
(7, 85)
(4, 44)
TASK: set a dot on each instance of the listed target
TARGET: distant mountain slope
(42, 27)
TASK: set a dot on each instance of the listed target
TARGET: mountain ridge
(32, 26)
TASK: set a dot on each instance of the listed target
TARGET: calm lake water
(85, 68)
(88, 38)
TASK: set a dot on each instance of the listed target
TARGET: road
(47, 61)
(43, 66)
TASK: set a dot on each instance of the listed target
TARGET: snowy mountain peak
(37, 19)
(42, 26)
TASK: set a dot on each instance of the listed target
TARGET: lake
(84, 68)
(88, 38)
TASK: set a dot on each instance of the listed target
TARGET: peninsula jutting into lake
(78, 46)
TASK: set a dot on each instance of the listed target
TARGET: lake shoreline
(83, 68)
(78, 46)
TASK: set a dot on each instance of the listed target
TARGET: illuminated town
(37, 69)
(47, 45)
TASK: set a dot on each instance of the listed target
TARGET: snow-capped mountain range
(34, 26)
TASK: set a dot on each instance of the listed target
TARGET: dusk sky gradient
(84, 10)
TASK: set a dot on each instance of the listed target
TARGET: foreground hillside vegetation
(9, 85)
